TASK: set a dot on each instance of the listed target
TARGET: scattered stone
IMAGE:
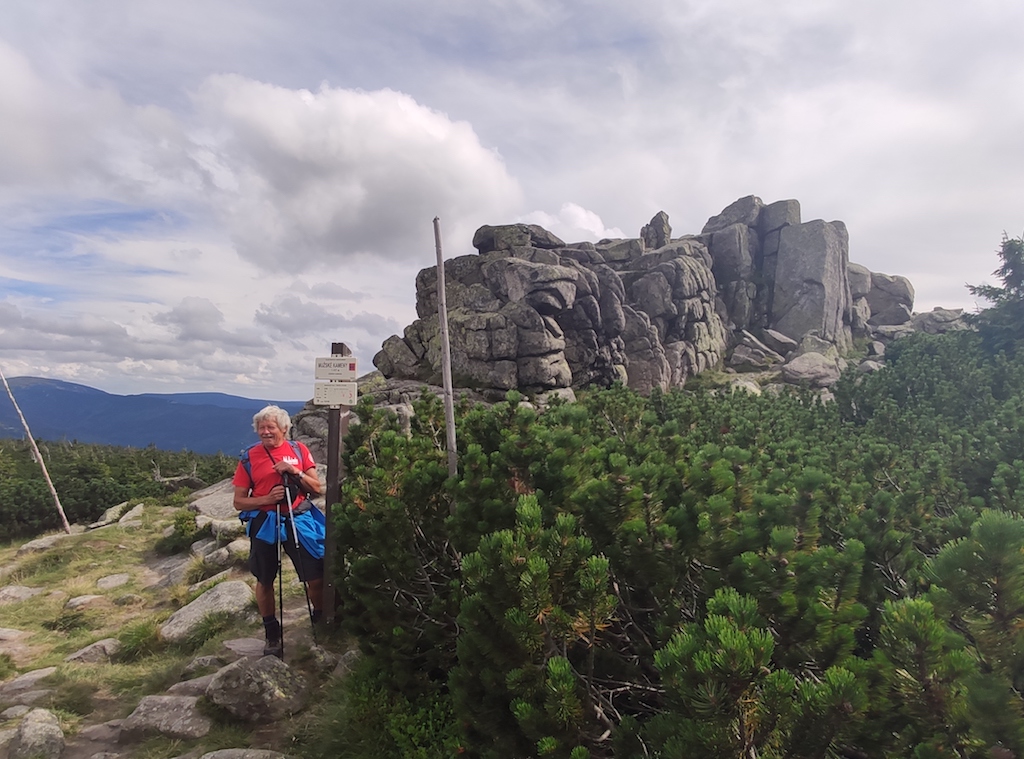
(15, 690)
(194, 687)
(14, 712)
(746, 385)
(32, 696)
(100, 651)
(869, 367)
(324, 660)
(233, 597)
(175, 717)
(209, 582)
(243, 753)
(83, 602)
(216, 501)
(110, 516)
(940, 320)
(778, 342)
(245, 646)
(40, 544)
(201, 663)
(6, 633)
(203, 547)
(258, 689)
(134, 515)
(234, 553)
(129, 599)
(227, 529)
(113, 581)
(38, 736)
(347, 664)
(104, 732)
(813, 369)
(169, 571)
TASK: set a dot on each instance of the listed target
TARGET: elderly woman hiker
(267, 471)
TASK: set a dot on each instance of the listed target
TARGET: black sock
(272, 627)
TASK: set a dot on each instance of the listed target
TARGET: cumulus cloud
(197, 319)
(573, 223)
(306, 177)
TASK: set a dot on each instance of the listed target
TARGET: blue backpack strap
(247, 466)
(245, 516)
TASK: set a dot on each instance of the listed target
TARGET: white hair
(278, 414)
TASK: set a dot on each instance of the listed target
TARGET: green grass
(86, 693)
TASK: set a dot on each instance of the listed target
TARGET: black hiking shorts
(263, 556)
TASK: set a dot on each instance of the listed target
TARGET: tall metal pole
(39, 457)
(337, 428)
(446, 357)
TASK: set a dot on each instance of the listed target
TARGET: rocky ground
(231, 678)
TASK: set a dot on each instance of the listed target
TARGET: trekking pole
(298, 552)
(280, 576)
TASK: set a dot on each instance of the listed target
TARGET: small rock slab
(132, 515)
(171, 716)
(194, 687)
(40, 544)
(233, 597)
(168, 572)
(100, 651)
(243, 753)
(113, 581)
(216, 501)
(82, 602)
(11, 594)
(109, 516)
(15, 689)
(38, 736)
(245, 646)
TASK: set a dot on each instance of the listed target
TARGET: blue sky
(202, 196)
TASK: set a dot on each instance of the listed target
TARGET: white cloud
(306, 177)
(572, 223)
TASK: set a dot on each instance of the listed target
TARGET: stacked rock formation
(532, 312)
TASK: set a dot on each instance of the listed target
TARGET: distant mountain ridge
(200, 422)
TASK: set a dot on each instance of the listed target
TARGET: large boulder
(38, 736)
(891, 299)
(813, 369)
(811, 291)
(258, 689)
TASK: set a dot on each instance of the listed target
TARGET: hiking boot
(274, 648)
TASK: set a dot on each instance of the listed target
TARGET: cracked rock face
(534, 313)
(531, 312)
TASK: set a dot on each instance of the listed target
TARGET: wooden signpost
(338, 392)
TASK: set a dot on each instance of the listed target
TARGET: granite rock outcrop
(532, 312)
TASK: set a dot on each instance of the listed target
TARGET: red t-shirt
(264, 478)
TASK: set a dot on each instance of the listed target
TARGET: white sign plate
(334, 393)
(336, 368)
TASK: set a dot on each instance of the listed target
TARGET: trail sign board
(336, 368)
(334, 394)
